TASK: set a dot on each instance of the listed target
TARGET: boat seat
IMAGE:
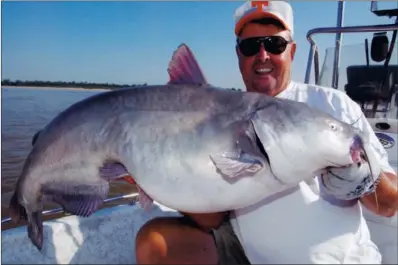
(364, 83)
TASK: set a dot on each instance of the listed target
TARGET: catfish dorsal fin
(184, 69)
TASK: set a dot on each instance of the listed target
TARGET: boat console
(375, 86)
(367, 83)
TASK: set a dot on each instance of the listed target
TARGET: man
(301, 225)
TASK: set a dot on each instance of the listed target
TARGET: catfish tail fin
(35, 229)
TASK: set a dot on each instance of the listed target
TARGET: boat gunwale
(133, 195)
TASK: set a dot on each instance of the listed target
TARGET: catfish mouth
(357, 154)
(357, 151)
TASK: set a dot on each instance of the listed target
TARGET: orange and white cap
(280, 10)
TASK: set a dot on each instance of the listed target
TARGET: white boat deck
(107, 237)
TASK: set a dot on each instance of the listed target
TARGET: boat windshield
(364, 82)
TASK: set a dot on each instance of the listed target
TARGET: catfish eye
(333, 126)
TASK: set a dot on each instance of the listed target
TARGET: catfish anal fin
(81, 200)
(184, 69)
(81, 205)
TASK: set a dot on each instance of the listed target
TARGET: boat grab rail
(313, 53)
(60, 210)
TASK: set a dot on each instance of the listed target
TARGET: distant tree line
(86, 85)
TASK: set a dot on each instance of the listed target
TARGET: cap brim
(256, 15)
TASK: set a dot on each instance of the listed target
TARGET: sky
(132, 42)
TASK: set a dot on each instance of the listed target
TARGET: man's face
(265, 72)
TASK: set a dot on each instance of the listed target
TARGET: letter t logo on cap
(259, 4)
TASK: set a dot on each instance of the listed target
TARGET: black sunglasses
(272, 44)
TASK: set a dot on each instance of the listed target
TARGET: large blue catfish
(187, 145)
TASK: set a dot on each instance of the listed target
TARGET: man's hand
(384, 200)
(349, 183)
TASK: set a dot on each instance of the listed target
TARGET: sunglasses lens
(250, 46)
(273, 44)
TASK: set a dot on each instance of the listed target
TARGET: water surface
(24, 112)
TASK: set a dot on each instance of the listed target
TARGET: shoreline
(55, 88)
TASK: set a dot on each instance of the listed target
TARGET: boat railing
(60, 210)
(314, 54)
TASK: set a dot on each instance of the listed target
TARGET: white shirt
(300, 225)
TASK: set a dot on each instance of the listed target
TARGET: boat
(108, 236)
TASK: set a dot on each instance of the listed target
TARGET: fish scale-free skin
(167, 152)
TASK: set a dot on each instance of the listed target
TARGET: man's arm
(384, 200)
